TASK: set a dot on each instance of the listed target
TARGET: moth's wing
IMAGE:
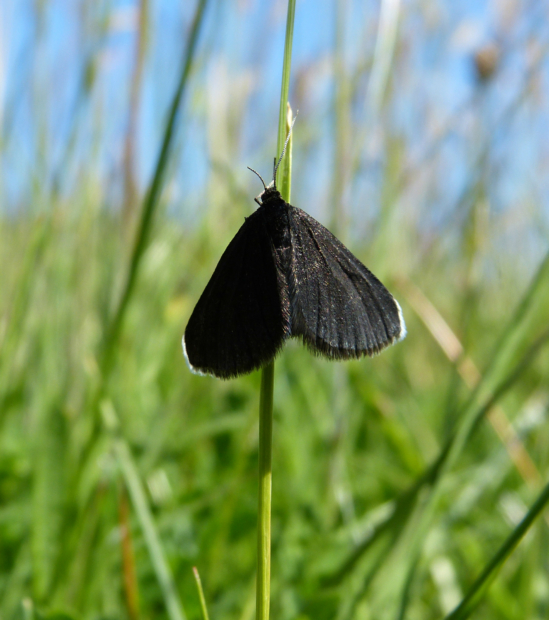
(242, 318)
(338, 306)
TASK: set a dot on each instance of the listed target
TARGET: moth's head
(269, 191)
(267, 194)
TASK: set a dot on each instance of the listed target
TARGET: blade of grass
(384, 52)
(174, 606)
(20, 301)
(136, 81)
(513, 334)
(152, 197)
(200, 594)
(263, 591)
(49, 497)
(16, 586)
(131, 591)
(144, 515)
(471, 599)
(114, 326)
(342, 121)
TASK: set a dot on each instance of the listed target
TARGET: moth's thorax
(269, 195)
(274, 213)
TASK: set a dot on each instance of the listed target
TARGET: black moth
(285, 275)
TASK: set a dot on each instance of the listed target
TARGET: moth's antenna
(257, 175)
(284, 149)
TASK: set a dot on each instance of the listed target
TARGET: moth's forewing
(338, 306)
(242, 318)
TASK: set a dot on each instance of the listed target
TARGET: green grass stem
(263, 591)
(284, 179)
(201, 596)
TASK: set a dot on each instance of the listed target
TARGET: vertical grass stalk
(285, 89)
(263, 592)
(201, 596)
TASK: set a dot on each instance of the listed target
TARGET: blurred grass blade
(506, 349)
(49, 491)
(152, 197)
(408, 586)
(131, 590)
(341, 165)
(466, 368)
(136, 82)
(152, 539)
(405, 504)
(27, 609)
(383, 55)
(456, 444)
(20, 302)
(469, 602)
(511, 337)
(200, 594)
(492, 382)
(143, 512)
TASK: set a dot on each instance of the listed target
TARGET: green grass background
(396, 480)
